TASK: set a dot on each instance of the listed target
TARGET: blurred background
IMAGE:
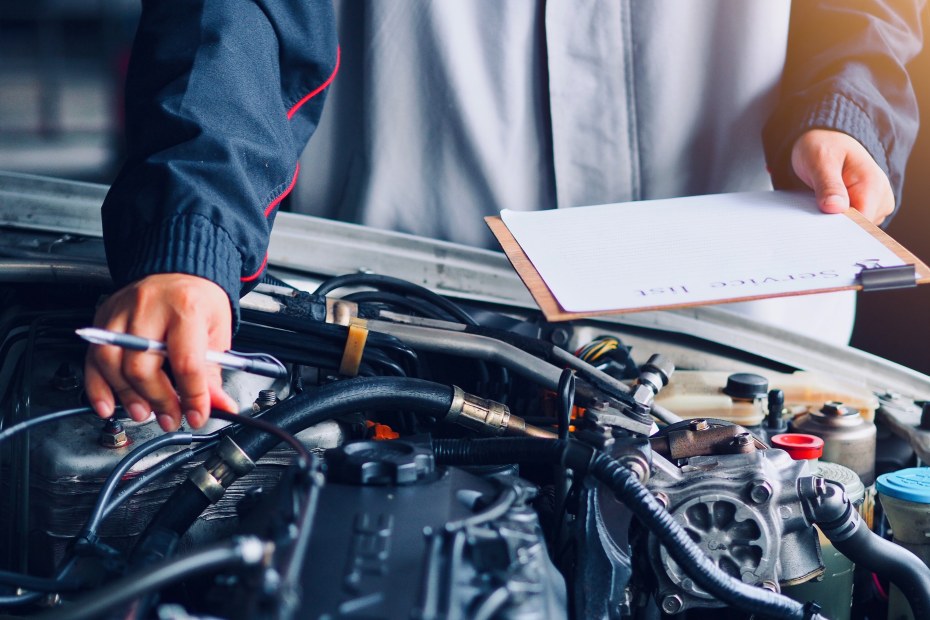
(61, 68)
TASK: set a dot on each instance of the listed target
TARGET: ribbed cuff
(840, 113)
(190, 244)
(834, 111)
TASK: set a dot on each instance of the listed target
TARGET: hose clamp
(227, 464)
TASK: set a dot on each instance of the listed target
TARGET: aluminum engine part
(849, 439)
(67, 465)
(743, 510)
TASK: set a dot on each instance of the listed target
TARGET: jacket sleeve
(845, 70)
(221, 97)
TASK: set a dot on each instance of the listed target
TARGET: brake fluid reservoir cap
(799, 446)
(746, 385)
(910, 485)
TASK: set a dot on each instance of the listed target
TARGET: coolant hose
(829, 507)
(893, 562)
(640, 501)
(335, 399)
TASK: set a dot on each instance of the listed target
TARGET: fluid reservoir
(834, 591)
(905, 496)
(703, 394)
(849, 439)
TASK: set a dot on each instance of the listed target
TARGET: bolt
(66, 378)
(113, 435)
(672, 604)
(637, 464)
(760, 492)
(820, 485)
(771, 586)
(643, 395)
(699, 425)
(266, 400)
(835, 407)
(742, 439)
(662, 498)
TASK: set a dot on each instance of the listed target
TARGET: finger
(187, 351)
(98, 391)
(221, 400)
(143, 371)
(107, 361)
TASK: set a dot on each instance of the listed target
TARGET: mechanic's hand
(842, 174)
(191, 315)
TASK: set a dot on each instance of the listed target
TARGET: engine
(431, 458)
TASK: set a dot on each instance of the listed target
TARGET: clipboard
(870, 277)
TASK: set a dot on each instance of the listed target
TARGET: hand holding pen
(191, 316)
(265, 365)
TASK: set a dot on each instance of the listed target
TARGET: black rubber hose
(888, 560)
(328, 401)
(243, 553)
(310, 407)
(395, 301)
(641, 502)
(387, 283)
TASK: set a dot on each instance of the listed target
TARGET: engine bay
(451, 455)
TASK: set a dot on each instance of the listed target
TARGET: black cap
(379, 463)
(746, 385)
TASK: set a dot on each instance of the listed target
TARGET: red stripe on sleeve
(274, 203)
(255, 275)
(316, 91)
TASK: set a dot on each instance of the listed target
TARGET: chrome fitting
(227, 464)
(490, 417)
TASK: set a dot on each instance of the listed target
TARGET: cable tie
(355, 347)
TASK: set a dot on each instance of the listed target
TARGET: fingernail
(103, 409)
(195, 418)
(166, 422)
(834, 200)
(137, 412)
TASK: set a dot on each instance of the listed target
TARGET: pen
(266, 366)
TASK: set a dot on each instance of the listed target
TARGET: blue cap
(911, 485)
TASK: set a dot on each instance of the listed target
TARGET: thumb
(819, 164)
(830, 192)
(829, 188)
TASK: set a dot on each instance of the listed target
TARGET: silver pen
(266, 365)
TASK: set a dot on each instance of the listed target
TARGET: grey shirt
(446, 111)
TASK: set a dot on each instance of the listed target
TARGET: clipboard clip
(874, 277)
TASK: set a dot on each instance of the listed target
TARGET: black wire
(154, 578)
(388, 283)
(109, 486)
(156, 471)
(393, 300)
(566, 401)
(315, 344)
(33, 596)
(43, 419)
(37, 584)
(272, 429)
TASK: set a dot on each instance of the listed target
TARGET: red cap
(799, 446)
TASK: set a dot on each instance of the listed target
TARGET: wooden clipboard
(920, 274)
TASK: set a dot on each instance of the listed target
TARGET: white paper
(693, 250)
